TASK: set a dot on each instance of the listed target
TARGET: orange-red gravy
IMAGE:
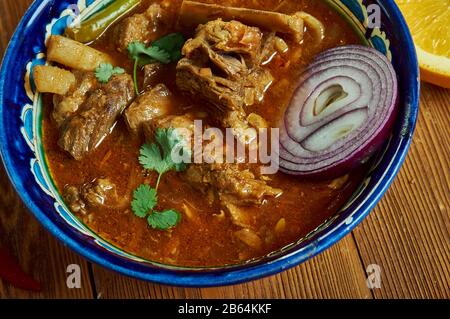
(206, 239)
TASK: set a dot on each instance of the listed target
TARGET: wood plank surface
(407, 235)
(408, 232)
(337, 273)
(37, 251)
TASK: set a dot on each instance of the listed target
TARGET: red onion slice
(342, 110)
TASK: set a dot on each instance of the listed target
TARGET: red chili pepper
(12, 273)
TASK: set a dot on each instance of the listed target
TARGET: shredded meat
(249, 237)
(200, 81)
(142, 27)
(152, 73)
(152, 104)
(95, 118)
(73, 199)
(222, 66)
(230, 183)
(257, 82)
(67, 105)
(230, 37)
(97, 193)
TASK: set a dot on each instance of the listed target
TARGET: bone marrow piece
(194, 13)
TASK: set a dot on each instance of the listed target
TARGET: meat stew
(239, 69)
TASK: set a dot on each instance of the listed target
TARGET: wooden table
(407, 234)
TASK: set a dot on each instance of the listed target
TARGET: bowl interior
(24, 158)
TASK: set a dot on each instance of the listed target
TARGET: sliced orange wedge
(429, 22)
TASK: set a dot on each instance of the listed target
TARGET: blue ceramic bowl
(22, 153)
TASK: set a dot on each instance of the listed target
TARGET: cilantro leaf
(158, 157)
(164, 220)
(144, 200)
(171, 43)
(152, 159)
(105, 71)
(144, 56)
(171, 142)
(165, 50)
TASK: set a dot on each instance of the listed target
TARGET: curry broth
(205, 238)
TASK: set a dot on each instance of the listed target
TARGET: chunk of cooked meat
(152, 104)
(101, 192)
(273, 45)
(229, 37)
(200, 81)
(227, 183)
(256, 83)
(95, 118)
(194, 13)
(152, 73)
(230, 183)
(66, 105)
(222, 66)
(235, 119)
(142, 27)
(257, 121)
(240, 123)
(73, 199)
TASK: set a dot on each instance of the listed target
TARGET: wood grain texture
(407, 235)
(38, 252)
(337, 273)
(10, 13)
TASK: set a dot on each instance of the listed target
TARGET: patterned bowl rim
(320, 240)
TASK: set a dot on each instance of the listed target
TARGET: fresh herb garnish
(105, 71)
(158, 157)
(164, 220)
(172, 44)
(144, 200)
(165, 50)
(147, 55)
